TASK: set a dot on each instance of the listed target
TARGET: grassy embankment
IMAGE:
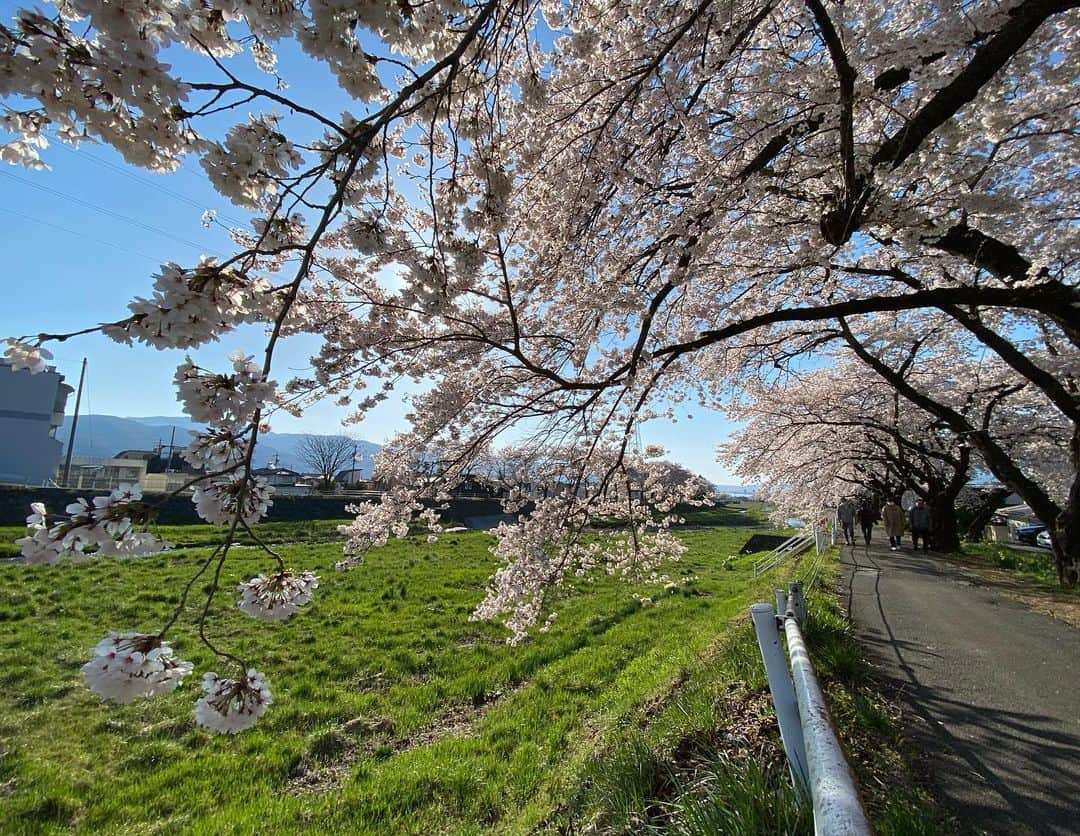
(745, 513)
(1037, 566)
(394, 713)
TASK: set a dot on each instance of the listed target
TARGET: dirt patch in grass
(478, 639)
(458, 721)
(656, 704)
(747, 730)
(314, 779)
(332, 755)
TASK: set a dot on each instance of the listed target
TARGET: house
(93, 473)
(143, 455)
(351, 479)
(278, 476)
(31, 409)
(285, 482)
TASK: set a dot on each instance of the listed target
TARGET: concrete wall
(15, 505)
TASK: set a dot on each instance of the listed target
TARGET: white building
(31, 409)
(91, 473)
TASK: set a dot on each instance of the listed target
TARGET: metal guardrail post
(781, 601)
(783, 694)
(821, 538)
(838, 809)
(796, 601)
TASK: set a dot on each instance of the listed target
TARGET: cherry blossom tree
(812, 437)
(567, 217)
(1029, 446)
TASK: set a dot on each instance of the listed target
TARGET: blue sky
(84, 237)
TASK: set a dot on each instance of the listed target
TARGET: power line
(105, 210)
(146, 181)
(104, 242)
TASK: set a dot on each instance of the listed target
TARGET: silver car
(1042, 539)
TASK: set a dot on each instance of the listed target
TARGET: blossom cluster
(545, 547)
(127, 666)
(246, 166)
(22, 355)
(375, 523)
(190, 307)
(232, 705)
(103, 526)
(277, 596)
(221, 498)
(227, 401)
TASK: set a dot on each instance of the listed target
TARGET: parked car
(1042, 539)
(1028, 533)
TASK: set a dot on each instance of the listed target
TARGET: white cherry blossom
(130, 666)
(21, 355)
(277, 596)
(220, 499)
(103, 526)
(232, 705)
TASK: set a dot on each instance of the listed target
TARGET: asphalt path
(991, 688)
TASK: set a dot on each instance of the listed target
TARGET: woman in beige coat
(893, 517)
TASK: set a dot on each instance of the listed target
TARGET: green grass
(1037, 566)
(189, 536)
(393, 712)
(709, 760)
(746, 513)
(742, 513)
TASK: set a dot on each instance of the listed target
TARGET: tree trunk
(990, 504)
(945, 533)
(1065, 530)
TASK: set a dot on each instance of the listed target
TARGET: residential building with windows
(99, 474)
(31, 410)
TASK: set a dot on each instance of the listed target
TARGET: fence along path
(819, 770)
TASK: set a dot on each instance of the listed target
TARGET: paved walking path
(993, 689)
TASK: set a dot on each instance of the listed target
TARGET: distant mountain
(106, 435)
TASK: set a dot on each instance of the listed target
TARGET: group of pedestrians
(918, 521)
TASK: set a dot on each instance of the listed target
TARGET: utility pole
(74, 423)
(172, 447)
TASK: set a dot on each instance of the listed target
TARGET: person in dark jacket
(919, 518)
(867, 517)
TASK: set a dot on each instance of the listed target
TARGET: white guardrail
(818, 536)
(789, 548)
(818, 768)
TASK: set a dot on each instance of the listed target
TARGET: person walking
(893, 517)
(919, 517)
(867, 517)
(846, 515)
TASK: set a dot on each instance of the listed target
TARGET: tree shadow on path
(1002, 764)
